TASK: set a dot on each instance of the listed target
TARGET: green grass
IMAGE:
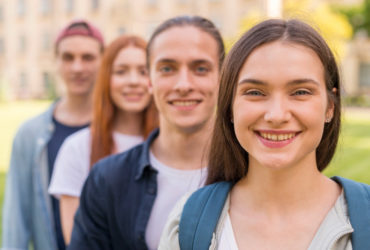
(352, 158)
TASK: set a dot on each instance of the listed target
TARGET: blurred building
(28, 29)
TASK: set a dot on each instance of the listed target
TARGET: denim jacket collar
(144, 162)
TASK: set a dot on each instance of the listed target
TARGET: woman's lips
(276, 139)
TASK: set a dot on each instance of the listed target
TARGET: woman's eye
(254, 93)
(119, 72)
(301, 92)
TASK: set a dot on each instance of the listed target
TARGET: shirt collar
(144, 157)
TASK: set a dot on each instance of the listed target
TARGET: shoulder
(38, 122)
(79, 139)
(34, 127)
(119, 166)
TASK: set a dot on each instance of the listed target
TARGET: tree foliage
(330, 23)
(358, 16)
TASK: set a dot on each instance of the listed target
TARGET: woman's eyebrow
(293, 82)
(251, 80)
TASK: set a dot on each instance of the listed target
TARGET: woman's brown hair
(228, 161)
(104, 110)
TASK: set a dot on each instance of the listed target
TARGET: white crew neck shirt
(72, 165)
(172, 184)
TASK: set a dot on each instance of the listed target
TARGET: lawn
(352, 159)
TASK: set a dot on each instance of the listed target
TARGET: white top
(172, 184)
(227, 240)
(72, 164)
(333, 232)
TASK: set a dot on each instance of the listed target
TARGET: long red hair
(104, 110)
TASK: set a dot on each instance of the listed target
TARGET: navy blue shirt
(61, 132)
(116, 202)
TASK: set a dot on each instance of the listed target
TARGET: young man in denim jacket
(30, 215)
(127, 197)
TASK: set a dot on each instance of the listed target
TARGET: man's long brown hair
(104, 110)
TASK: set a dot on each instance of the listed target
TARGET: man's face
(78, 59)
(184, 77)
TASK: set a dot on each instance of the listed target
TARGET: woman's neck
(283, 190)
(128, 123)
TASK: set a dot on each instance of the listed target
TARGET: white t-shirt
(227, 240)
(72, 164)
(172, 184)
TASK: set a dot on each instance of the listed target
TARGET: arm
(91, 229)
(68, 207)
(18, 197)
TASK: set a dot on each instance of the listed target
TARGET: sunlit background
(28, 83)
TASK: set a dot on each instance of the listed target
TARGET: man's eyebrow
(166, 60)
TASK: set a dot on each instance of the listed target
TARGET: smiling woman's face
(280, 105)
(129, 80)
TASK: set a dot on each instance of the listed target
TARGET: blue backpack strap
(358, 202)
(200, 216)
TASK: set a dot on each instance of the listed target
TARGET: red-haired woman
(123, 116)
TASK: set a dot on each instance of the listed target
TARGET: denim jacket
(27, 211)
(116, 202)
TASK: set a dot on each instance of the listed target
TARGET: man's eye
(143, 72)
(202, 69)
(67, 58)
(166, 69)
(88, 58)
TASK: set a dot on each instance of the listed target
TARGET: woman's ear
(331, 106)
(150, 87)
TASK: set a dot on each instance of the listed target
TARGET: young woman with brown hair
(123, 116)
(277, 127)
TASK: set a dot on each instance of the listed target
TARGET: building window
(22, 43)
(1, 13)
(46, 41)
(49, 87)
(365, 75)
(46, 6)
(69, 5)
(94, 4)
(21, 8)
(23, 80)
(2, 49)
(121, 31)
(151, 3)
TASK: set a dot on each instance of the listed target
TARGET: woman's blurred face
(129, 80)
(281, 105)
